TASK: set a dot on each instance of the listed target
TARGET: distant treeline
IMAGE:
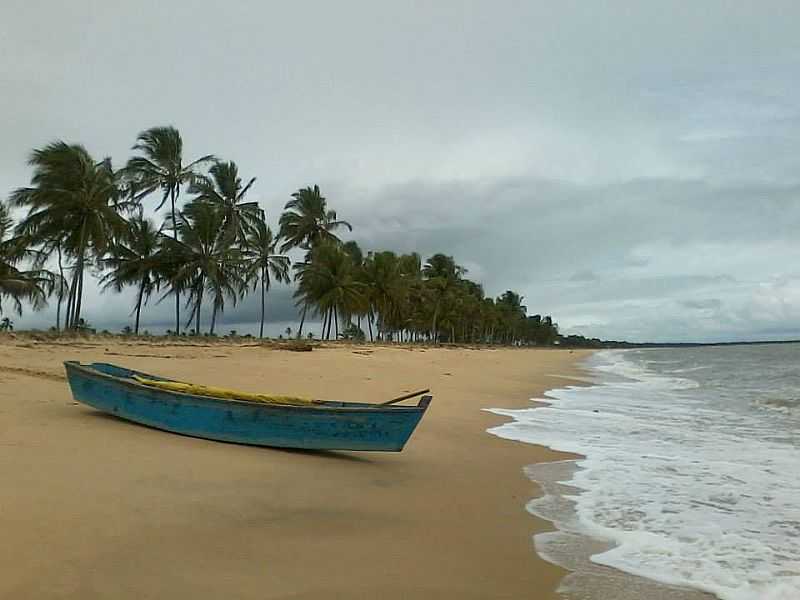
(578, 341)
(85, 216)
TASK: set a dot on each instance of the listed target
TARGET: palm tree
(512, 313)
(202, 262)
(32, 286)
(442, 276)
(364, 310)
(489, 318)
(224, 281)
(161, 168)
(134, 260)
(39, 251)
(223, 188)
(307, 222)
(72, 203)
(411, 271)
(355, 252)
(261, 261)
(383, 276)
(468, 301)
(328, 282)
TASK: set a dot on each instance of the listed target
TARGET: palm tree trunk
(199, 304)
(213, 319)
(78, 279)
(79, 294)
(336, 321)
(433, 325)
(303, 320)
(261, 331)
(369, 324)
(173, 195)
(191, 316)
(330, 322)
(71, 300)
(139, 307)
(60, 287)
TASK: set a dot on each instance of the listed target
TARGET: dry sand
(95, 507)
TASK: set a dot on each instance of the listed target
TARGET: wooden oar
(406, 397)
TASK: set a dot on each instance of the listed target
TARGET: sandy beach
(95, 507)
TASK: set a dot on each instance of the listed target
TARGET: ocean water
(690, 483)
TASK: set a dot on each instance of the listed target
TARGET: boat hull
(326, 426)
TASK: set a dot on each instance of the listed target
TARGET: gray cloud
(611, 162)
(705, 304)
(584, 275)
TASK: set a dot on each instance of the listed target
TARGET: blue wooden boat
(325, 425)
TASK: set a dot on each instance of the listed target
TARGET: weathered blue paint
(325, 426)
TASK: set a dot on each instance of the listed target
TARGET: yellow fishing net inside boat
(215, 392)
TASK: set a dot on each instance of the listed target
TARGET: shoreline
(574, 546)
(115, 502)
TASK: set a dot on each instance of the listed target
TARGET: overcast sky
(631, 168)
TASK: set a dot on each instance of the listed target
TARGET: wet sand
(94, 507)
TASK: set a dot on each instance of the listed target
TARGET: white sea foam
(688, 493)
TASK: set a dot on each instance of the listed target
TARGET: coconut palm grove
(82, 217)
